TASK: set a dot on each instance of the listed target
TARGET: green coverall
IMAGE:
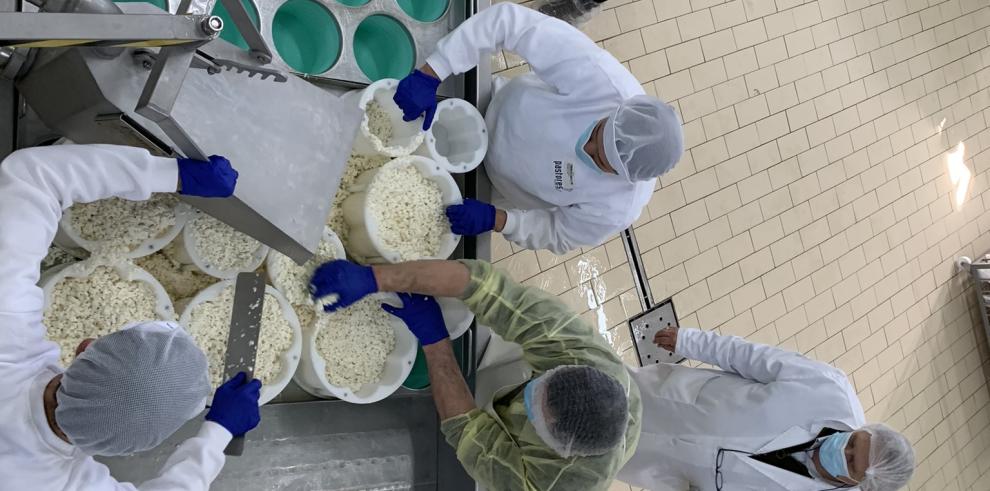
(502, 451)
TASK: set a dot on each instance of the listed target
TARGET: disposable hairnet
(643, 139)
(131, 389)
(579, 411)
(891, 460)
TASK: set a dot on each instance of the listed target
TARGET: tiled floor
(820, 206)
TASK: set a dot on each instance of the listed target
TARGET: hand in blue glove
(213, 179)
(422, 316)
(347, 281)
(235, 405)
(473, 217)
(417, 94)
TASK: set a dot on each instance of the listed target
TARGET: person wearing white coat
(769, 420)
(574, 147)
(127, 391)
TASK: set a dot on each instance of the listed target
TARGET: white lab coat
(35, 186)
(534, 123)
(765, 399)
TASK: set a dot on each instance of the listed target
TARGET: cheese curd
(356, 165)
(209, 325)
(409, 211)
(181, 281)
(293, 280)
(95, 306)
(220, 246)
(122, 224)
(355, 343)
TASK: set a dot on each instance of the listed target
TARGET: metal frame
(979, 270)
(642, 328)
(52, 30)
(345, 70)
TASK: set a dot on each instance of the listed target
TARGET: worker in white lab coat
(574, 148)
(770, 420)
(127, 391)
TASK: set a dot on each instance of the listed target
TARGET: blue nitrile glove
(346, 281)
(213, 179)
(473, 217)
(422, 316)
(417, 94)
(235, 405)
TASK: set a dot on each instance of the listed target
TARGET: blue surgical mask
(579, 148)
(832, 454)
(528, 398)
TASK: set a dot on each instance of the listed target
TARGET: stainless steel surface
(65, 29)
(252, 70)
(644, 326)
(259, 49)
(479, 185)
(634, 258)
(242, 339)
(324, 445)
(245, 324)
(200, 7)
(160, 92)
(79, 6)
(289, 141)
(8, 99)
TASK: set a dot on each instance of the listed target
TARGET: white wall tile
(750, 33)
(695, 24)
(685, 55)
(719, 43)
(708, 74)
(689, 218)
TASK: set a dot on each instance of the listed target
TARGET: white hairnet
(643, 138)
(579, 410)
(891, 460)
(131, 389)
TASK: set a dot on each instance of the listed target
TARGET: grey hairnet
(891, 460)
(131, 389)
(580, 411)
(643, 138)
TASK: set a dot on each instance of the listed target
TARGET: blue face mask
(579, 148)
(832, 454)
(528, 398)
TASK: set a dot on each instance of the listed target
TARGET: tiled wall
(815, 209)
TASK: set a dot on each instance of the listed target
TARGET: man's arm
(450, 392)
(544, 42)
(36, 184)
(753, 361)
(550, 334)
(560, 230)
(437, 278)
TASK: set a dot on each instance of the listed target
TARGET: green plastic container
(353, 3)
(230, 33)
(306, 36)
(383, 48)
(424, 10)
(162, 4)
(419, 377)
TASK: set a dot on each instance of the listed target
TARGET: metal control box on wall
(644, 326)
(351, 41)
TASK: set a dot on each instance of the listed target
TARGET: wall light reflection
(959, 173)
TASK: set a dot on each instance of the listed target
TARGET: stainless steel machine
(131, 73)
